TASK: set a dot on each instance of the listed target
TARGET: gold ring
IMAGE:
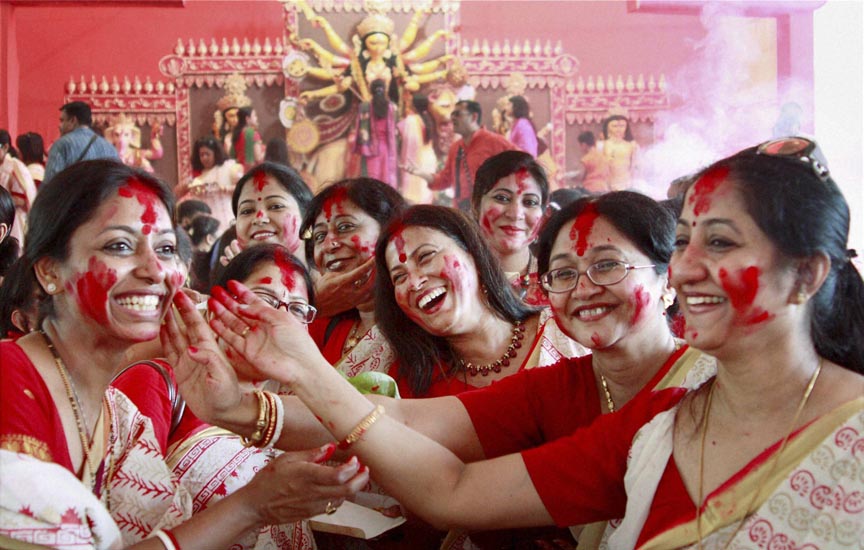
(245, 331)
(357, 283)
(330, 509)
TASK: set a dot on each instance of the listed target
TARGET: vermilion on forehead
(146, 196)
(399, 242)
(260, 181)
(581, 229)
(522, 176)
(705, 188)
(335, 201)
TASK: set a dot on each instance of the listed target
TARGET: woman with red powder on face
(342, 225)
(767, 287)
(622, 321)
(268, 202)
(205, 457)
(80, 465)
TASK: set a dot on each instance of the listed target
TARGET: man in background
(77, 140)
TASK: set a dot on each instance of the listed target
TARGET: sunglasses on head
(796, 148)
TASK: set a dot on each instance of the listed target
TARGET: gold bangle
(361, 428)
(261, 423)
(271, 420)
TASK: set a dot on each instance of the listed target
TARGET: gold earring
(800, 297)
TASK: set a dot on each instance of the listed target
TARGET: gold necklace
(704, 428)
(354, 337)
(504, 361)
(75, 403)
(609, 403)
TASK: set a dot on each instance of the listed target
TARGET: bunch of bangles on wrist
(271, 419)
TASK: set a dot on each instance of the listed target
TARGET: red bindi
(146, 197)
(582, 227)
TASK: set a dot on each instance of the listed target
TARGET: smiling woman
(79, 463)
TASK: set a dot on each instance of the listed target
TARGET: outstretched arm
(425, 476)
(209, 385)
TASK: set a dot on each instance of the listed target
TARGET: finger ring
(245, 331)
(357, 283)
(330, 509)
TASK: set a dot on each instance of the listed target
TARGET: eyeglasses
(301, 310)
(603, 273)
(797, 148)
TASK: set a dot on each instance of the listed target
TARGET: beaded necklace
(504, 361)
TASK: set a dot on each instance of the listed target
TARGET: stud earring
(50, 288)
(800, 297)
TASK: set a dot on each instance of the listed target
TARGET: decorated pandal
(315, 87)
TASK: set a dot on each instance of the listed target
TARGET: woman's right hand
(296, 486)
(338, 292)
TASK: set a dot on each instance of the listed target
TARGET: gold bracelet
(361, 428)
(271, 420)
(261, 423)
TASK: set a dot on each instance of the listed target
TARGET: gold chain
(75, 403)
(704, 428)
(609, 403)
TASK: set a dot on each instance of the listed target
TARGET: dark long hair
(804, 216)
(10, 246)
(628, 134)
(211, 143)
(374, 197)
(648, 224)
(243, 114)
(242, 265)
(421, 107)
(31, 147)
(421, 354)
(502, 165)
(68, 201)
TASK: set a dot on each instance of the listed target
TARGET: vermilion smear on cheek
(705, 188)
(399, 243)
(335, 201)
(453, 271)
(146, 197)
(175, 280)
(490, 217)
(742, 288)
(582, 227)
(260, 181)
(639, 300)
(358, 245)
(521, 175)
(286, 268)
(91, 290)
